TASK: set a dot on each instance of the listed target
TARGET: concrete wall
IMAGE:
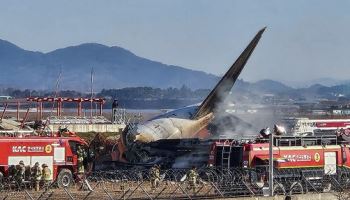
(84, 128)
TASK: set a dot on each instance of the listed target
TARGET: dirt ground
(118, 194)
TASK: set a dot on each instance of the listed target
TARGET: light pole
(271, 164)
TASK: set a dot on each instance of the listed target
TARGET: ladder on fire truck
(226, 153)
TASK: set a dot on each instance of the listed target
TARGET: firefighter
(46, 175)
(192, 178)
(12, 171)
(81, 170)
(22, 168)
(16, 173)
(28, 173)
(36, 174)
(81, 155)
(154, 176)
(19, 172)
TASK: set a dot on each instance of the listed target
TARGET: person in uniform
(28, 173)
(17, 174)
(81, 170)
(12, 171)
(192, 178)
(81, 155)
(46, 175)
(36, 174)
(20, 170)
(154, 176)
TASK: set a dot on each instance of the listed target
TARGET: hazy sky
(305, 39)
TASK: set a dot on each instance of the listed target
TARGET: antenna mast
(55, 96)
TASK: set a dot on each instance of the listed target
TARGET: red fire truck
(59, 153)
(326, 152)
(308, 160)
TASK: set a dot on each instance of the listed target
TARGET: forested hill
(243, 92)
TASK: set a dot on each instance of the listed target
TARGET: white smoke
(188, 161)
(238, 116)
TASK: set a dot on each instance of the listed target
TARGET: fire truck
(327, 152)
(59, 153)
(305, 161)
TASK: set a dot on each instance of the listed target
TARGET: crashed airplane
(178, 129)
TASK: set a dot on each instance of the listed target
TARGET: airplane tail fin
(227, 81)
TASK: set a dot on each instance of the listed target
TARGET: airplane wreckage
(180, 138)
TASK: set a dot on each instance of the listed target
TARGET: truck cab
(59, 153)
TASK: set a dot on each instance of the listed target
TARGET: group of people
(191, 177)
(35, 174)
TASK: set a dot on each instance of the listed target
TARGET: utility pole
(92, 92)
(271, 164)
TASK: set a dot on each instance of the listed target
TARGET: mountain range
(282, 91)
(114, 67)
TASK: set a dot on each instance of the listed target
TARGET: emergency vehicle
(59, 153)
(304, 161)
(326, 152)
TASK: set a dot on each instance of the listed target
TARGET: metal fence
(211, 183)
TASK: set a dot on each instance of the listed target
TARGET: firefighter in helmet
(81, 155)
(154, 174)
(46, 175)
(36, 174)
(20, 170)
(22, 167)
(12, 171)
(192, 176)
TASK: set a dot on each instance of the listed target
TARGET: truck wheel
(1, 177)
(1, 181)
(64, 178)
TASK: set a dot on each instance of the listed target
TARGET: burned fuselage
(170, 153)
